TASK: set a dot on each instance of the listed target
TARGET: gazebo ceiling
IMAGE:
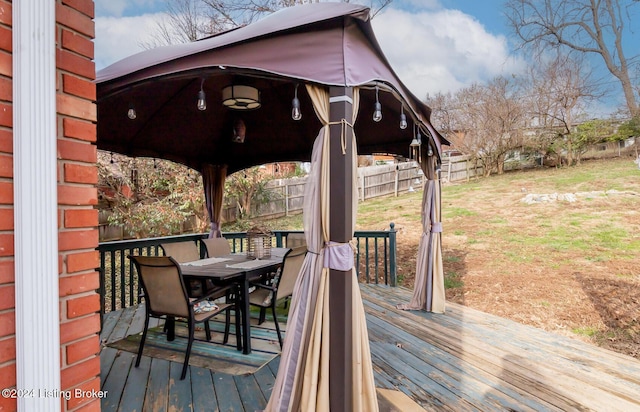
(321, 43)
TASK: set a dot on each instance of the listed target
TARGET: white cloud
(441, 51)
(119, 37)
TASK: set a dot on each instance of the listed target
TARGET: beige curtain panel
(302, 383)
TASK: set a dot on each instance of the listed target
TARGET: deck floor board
(463, 360)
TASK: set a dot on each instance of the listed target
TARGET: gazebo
(306, 83)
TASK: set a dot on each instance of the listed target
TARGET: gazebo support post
(340, 230)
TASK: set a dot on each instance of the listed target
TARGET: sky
(433, 45)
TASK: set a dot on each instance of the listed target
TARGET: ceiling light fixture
(241, 97)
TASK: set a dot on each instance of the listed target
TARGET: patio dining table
(239, 269)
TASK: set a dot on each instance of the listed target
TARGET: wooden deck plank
(180, 398)
(109, 322)
(134, 393)
(204, 393)
(250, 393)
(228, 396)
(462, 360)
(115, 381)
(157, 398)
(447, 372)
(121, 328)
(558, 380)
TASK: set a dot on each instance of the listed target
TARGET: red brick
(5, 12)
(72, 150)
(7, 297)
(5, 39)
(77, 239)
(79, 328)
(76, 107)
(76, 64)
(7, 349)
(75, 20)
(79, 87)
(7, 325)
(77, 195)
(6, 166)
(6, 115)
(6, 64)
(77, 43)
(78, 262)
(6, 141)
(7, 376)
(93, 406)
(84, 305)
(75, 218)
(78, 373)
(8, 404)
(79, 129)
(70, 285)
(6, 89)
(6, 220)
(84, 6)
(92, 385)
(6, 193)
(75, 173)
(6, 244)
(8, 271)
(83, 349)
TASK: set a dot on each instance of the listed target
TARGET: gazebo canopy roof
(330, 44)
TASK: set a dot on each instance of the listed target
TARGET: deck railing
(119, 286)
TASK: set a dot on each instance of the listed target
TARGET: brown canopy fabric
(319, 43)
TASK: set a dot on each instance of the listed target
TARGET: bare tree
(485, 121)
(190, 20)
(582, 26)
(560, 88)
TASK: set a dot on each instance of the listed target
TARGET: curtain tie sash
(436, 227)
(339, 256)
(343, 133)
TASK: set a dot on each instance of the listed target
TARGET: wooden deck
(464, 360)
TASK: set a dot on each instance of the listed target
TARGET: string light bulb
(296, 114)
(202, 98)
(131, 113)
(403, 118)
(377, 112)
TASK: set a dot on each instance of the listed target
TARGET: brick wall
(77, 196)
(7, 271)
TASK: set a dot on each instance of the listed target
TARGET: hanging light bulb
(403, 118)
(131, 113)
(429, 151)
(377, 113)
(419, 137)
(202, 98)
(415, 142)
(296, 114)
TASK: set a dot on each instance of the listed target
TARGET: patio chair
(266, 296)
(165, 295)
(217, 246)
(183, 252)
(296, 239)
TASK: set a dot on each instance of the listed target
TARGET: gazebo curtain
(302, 383)
(428, 289)
(213, 178)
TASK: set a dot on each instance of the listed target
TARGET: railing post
(392, 254)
